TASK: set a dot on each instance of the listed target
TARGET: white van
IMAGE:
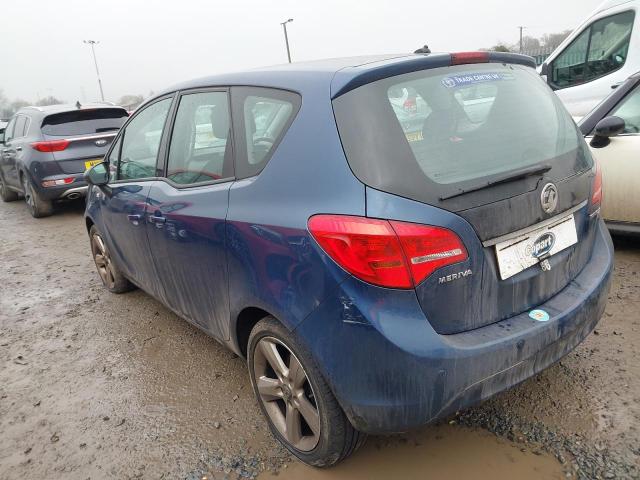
(599, 55)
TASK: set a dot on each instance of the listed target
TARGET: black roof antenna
(78, 105)
(424, 49)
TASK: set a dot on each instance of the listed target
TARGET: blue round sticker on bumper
(539, 315)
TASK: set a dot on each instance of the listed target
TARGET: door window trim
(173, 114)
(553, 85)
(122, 132)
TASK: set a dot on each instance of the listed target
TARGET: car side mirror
(544, 71)
(97, 175)
(606, 128)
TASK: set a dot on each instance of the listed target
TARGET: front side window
(629, 111)
(200, 139)
(112, 160)
(141, 142)
(601, 49)
(266, 115)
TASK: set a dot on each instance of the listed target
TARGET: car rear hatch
(497, 148)
(80, 138)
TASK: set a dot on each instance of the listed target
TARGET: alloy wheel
(103, 262)
(286, 393)
(28, 194)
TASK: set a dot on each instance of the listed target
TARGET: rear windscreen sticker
(473, 78)
(539, 315)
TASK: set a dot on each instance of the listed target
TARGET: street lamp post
(286, 38)
(95, 61)
(521, 29)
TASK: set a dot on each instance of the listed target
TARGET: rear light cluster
(50, 145)
(57, 182)
(386, 252)
(596, 188)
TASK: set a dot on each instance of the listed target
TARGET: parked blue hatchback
(380, 262)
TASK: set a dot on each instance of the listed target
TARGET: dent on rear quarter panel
(274, 263)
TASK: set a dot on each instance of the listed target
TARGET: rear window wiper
(505, 178)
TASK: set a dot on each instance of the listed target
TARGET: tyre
(38, 207)
(7, 194)
(299, 406)
(112, 278)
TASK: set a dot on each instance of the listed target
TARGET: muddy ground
(95, 385)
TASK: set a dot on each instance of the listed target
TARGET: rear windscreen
(82, 122)
(428, 134)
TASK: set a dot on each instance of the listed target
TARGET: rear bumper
(75, 189)
(391, 372)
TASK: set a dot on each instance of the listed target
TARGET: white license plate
(517, 254)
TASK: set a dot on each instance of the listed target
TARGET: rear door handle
(157, 219)
(18, 149)
(135, 219)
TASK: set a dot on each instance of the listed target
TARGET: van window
(600, 49)
(470, 124)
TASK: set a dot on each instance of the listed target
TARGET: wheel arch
(245, 321)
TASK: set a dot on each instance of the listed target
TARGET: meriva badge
(543, 245)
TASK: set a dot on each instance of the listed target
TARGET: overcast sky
(148, 45)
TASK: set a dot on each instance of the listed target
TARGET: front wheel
(111, 276)
(38, 207)
(301, 410)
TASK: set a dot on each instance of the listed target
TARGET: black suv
(45, 151)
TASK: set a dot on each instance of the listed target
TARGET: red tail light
(596, 188)
(410, 105)
(462, 58)
(386, 253)
(50, 145)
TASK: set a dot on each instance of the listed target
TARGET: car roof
(334, 76)
(322, 71)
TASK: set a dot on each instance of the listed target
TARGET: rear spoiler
(351, 78)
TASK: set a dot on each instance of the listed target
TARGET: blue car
(375, 277)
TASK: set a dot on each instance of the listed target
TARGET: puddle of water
(443, 451)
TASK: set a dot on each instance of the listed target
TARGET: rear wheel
(301, 410)
(38, 207)
(7, 194)
(112, 278)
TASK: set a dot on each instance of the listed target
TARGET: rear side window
(83, 122)
(21, 124)
(265, 116)
(199, 142)
(601, 49)
(429, 134)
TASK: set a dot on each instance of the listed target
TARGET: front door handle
(18, 149)
(135, 219)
